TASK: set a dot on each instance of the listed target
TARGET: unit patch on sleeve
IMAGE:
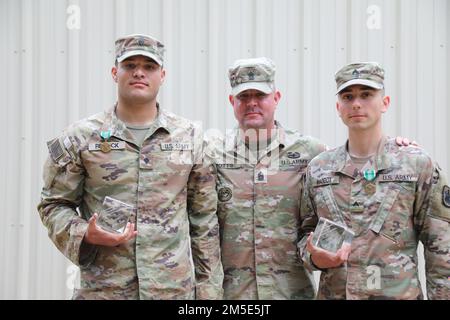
(446, 196)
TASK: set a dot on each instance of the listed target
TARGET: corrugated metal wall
(56, 56)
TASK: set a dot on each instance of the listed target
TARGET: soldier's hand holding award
(329, 244)
(113, 227)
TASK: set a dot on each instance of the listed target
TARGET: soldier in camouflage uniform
(259, 170)
(146, 157)
(391, 197)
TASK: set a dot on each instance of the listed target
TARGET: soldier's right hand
(324, 259)
(97, 236)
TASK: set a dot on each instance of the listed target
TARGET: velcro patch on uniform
(55, 149)
(228, 166)
(67, 143)
(392, 177)
(293, 162)
(119, 145)
(326, 181)
(446, 196)
(178, 146)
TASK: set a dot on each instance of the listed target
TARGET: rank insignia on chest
(357, 207)
(261, 175)
(446, 196)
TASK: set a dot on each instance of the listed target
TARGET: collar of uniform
(162, 121)
(382, 159)
(342, 159)
(120, 130)
(116, 126)
(282, 134)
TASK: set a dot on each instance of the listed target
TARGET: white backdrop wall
(56, 56)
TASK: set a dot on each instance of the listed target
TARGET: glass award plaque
(115, 215)
(330, 235)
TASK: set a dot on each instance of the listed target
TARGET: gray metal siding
(53, 75)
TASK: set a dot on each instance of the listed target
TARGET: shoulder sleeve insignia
(225, 194)
(446, 196)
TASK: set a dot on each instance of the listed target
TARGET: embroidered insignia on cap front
(141, 42)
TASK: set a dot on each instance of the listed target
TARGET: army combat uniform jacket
(408, 200)
(259, 216)
(174, 197)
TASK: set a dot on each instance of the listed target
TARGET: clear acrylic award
(115, 215)
(330, 235)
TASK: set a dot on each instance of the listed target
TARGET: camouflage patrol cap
(139, 44)
(370, 74)
(256, 73)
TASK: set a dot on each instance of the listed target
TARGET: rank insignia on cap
(446, 196)
(251, 75)
(355, 74)
(141, 42)
(224, 194)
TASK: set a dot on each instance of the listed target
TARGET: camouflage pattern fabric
(258, 215)
(255, 73)
(364, 73)
(404, 203)
(139, 44)
(174, 196)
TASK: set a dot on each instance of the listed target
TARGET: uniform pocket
(394, 211)
(52, 169)
(168, 161)
(324, 198)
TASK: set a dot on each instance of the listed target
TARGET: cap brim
(260, 86)
(140, 53)
(363, 82)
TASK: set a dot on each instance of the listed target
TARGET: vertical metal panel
(439, 63)
(56, 75)
(14, 99)
(4, 56)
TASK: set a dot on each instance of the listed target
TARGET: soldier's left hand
(405, 142)
(97, 236)
(324, 259)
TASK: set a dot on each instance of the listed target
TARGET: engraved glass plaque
(330, 235)
(115, 215)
